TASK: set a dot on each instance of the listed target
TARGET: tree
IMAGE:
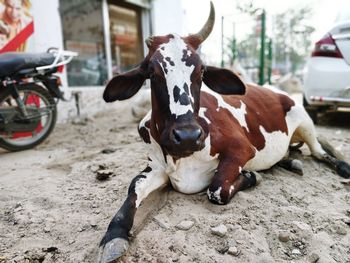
(292, 38)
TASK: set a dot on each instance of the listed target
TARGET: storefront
(108, 35)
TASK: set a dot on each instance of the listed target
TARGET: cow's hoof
(112, 250)
(258, 178)
(343, 169)
(252, 178)
(297, 166)
(215, 196)
(292, 165)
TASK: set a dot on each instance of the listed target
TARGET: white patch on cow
(192, 174)
(157, 176)
(276, 143)
(177, 74)
(202, 115)
(153, 180)
(306, 129)
(155, 153)
(215, 195)
(231, 189)
(237, 113)
(187, 175)
(145, 119)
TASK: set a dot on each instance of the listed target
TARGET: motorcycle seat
(12, 62)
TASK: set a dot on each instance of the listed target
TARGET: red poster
(16, 24)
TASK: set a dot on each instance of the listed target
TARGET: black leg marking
(252, 178)
(122, 222)
(292, 165)
(116, 241)
(341, 167)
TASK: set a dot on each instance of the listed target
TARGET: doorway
(126, 36)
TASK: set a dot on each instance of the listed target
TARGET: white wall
(47, 25)
(168, 17)
(47, 28)
(48, 33)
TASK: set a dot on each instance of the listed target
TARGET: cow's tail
(330, 149)
(295, 147)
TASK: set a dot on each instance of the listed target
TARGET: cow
(207, 130)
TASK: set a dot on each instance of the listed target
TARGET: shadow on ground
(335, 119)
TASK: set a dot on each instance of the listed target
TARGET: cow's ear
(124, 86)
(223, 81)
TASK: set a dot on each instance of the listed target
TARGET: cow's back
(258, 118)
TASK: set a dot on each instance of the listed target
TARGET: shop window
(82, 25)
(126, 37)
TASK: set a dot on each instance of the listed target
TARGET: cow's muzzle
(184, 140)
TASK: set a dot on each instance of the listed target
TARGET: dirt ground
(53, 209)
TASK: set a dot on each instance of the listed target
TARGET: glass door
(126, 37)
(82, 25)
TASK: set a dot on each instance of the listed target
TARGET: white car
(327, 75)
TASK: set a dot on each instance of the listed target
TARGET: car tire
(311, 110)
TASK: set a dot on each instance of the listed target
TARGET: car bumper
(327, 82)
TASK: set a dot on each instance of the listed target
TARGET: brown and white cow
(207, 130)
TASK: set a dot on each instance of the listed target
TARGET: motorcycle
(29, 93)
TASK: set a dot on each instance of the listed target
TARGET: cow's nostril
(186, 136)
(198, 133)
(177, 136)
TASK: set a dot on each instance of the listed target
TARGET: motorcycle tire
(44, 95)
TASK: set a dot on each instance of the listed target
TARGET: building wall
(47, 27)
(48, 33)
(47, 24)
(167, 17)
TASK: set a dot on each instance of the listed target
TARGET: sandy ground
(53, 209)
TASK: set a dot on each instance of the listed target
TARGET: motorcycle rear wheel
(47, 122)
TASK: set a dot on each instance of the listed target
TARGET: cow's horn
(207, 28)
(149, 42)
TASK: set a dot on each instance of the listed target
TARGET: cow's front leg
(115, 241)
(229, 178)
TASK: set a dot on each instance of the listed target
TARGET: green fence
(247, 45)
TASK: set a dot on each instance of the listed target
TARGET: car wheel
(311, 110)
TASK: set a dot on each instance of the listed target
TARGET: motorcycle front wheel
(32, 95)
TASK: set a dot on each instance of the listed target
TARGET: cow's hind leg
(115, 241)
(342, 167)
(306, 132)
(292, 165)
